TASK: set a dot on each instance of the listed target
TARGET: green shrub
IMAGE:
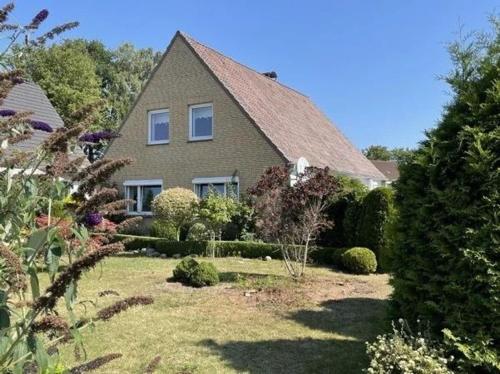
(359, 260)
(163, 229)
(185, 269)
(176, 206)
(336, 256)
(196, 274)
(377, 209)
(204, 274)
(197, 232)
(351, 191)
(446, 267)
(401, 353)
(246, 249)
(350, 223)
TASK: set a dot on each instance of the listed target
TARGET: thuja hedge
(446, 264)
(322, 255)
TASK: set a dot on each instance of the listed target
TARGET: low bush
(401, 352)
(204, 274)
(198, 232)
(163, 229)
(359, 260)
(196, 274)
(185, 269)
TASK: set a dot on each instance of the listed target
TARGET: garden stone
(267, 258)
(177, 255)
(163, 255)
(149, 252)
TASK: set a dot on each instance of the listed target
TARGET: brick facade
(237, 148)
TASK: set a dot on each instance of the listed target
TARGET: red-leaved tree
(293, 215)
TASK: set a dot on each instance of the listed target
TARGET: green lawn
(256, 321)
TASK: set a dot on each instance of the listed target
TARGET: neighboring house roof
(30, 97)
(287, 118)
(388, 168)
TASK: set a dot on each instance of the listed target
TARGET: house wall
(237, 148)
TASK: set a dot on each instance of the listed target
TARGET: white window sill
(201, 138)
(145, 214)
(159, 142)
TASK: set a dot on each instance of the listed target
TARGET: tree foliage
(293, 216)
(446, 264)
(215, 211)
(67, 73)
(83, 71)
(380, 152)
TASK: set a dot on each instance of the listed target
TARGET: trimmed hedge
(320, 255)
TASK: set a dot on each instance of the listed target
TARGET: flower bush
(403, 353)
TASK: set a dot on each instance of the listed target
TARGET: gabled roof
(388, 168)
(29, 97)
(287, 118)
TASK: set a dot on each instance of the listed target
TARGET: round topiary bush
(184, 270)
(177, 206)
(205, 274)
(359, 260)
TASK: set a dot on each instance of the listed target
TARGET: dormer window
(201, 122)
(159, 126)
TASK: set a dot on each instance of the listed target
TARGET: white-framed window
(142, 192)
(225, 186)
(201, 122)
(158, 126)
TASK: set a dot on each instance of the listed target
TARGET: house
(30, 97)
(206, 121)
(389, 169)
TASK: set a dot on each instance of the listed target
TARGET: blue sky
(372, 66)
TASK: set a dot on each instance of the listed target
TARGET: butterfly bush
(403, 353)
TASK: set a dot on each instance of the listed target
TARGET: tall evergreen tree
(446, 265)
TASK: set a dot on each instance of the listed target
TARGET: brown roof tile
(388, 168)
(289, 119)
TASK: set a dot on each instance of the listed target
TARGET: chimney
(271, 74)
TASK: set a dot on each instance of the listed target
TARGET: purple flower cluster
(17, 80)
(7, 112)
(96, 137)
(93, 218)
(40, 125)
(39, 18)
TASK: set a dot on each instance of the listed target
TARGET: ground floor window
(225, 186)
(142, 192)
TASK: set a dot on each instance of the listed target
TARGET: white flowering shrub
(403, 353)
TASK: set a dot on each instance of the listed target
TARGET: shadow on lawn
(360, 318)
(355, 320)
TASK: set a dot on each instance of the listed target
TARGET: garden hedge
(376, 212)
(321, 255)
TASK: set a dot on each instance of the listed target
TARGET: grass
(256, 321)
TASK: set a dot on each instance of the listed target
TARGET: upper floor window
(159, 126)
(201, 122)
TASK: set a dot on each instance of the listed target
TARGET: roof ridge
(190, 38)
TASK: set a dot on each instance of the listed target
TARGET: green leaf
(4, 318)
(35, 284)
(37, 239)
